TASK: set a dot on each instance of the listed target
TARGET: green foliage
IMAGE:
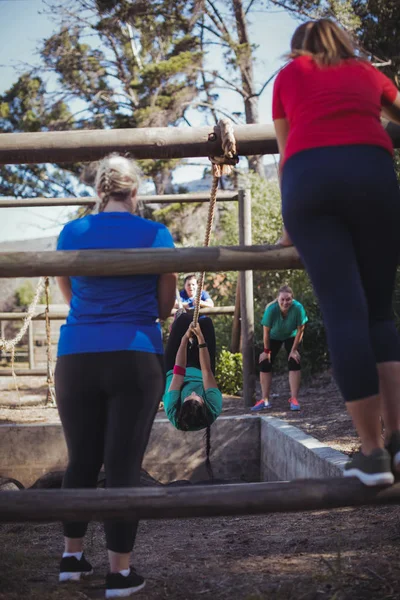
(24, 294)
(229, 372)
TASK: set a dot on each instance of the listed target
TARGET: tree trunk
(245, 64)
(163, 181)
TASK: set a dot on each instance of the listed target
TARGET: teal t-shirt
(192, 382)
(281, 328)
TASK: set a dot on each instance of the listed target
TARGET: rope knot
(223, 165)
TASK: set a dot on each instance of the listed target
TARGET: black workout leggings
(275, 346)
(341, 207)
(178, 330)
(107, 403)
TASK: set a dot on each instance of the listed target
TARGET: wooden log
(246, 302)
(37, 372)
(153, 142)
(235, 336)
(147, 260)
(60, 316)
(223, 196)
(191, 501)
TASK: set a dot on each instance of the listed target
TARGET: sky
(23, 25)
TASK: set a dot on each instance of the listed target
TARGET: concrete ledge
(288, 453)
(29, 451)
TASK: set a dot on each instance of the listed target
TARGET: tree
(116, 65)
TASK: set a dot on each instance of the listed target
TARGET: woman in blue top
(109, 376)
(283, 323)
(188, 294)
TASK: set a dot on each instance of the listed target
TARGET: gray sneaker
(393, 448)
(374, 469)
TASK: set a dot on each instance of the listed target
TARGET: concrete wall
(29, 451)
(289, 453)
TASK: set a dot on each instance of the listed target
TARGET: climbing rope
(221, 165)
(10, 345)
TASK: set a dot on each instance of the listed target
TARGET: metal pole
(246, 301)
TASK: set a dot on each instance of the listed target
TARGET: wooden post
(2, 335)
(31, 348)
(246, 301)
(235, 339)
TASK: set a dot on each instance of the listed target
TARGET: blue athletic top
(112, 313)
(185, 298)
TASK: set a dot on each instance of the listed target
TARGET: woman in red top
(341, 208)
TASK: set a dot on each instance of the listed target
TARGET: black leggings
(341, 207)
(178, 330)
(275, 346)
(107, 403)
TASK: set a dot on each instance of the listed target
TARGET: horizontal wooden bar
(37, 372)
(191, 501)
(223, 196)
(147, 260)
(60, 316)
(153, 142)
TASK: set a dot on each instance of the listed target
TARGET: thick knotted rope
(10, 345)
(221, 165)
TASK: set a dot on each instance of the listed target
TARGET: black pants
(178, 330)
(107, 403)
(341, 207)
(275, 346)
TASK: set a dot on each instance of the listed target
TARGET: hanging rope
(51, 396)
(10, 345)
(221, 165)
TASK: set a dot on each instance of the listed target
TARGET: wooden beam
(153, 142)
(147, 260)
(191, 501)
(36, 372)
(60, 316)
(223, 196)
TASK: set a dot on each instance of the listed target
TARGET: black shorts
(275, 346)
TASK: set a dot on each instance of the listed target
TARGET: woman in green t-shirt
(283, 323)
(192, 400)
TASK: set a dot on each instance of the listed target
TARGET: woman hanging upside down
(192, 400)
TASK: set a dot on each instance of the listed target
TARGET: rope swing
(10, 345)
(221, 165)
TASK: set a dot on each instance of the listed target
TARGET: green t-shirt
(284, 328)
(192, 382)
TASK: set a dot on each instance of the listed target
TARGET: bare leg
(73, 545)
(366, 418)
(265, 381)
(118, 561)
(294, 383)
(389, 381)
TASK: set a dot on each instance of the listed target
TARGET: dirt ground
(325, 555)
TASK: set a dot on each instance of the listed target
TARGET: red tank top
(332, 106)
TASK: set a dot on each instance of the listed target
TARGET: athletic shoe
(393, 448)
(294, 405)
(374, 469)
(72, 569)
(261, 405)
(119, 586)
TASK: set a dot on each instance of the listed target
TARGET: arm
(205, 363)
(294, 353)
(166, 294)
(266, 341)
(208, 302)
(392, 111)
(282, 132)
(180, 360)
(64, 283)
